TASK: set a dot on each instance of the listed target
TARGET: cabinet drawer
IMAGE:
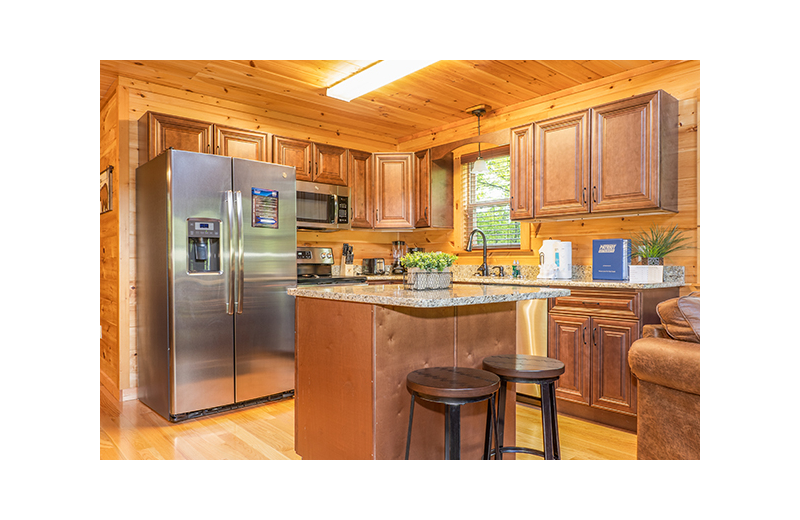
(622, 304)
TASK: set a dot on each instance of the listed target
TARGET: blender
(398, 251)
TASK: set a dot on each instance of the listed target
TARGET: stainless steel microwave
(322, 206)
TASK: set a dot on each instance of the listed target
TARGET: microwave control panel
(341, 218)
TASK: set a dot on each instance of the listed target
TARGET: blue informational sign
(265, 208)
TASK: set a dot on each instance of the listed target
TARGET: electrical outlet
(101, 332)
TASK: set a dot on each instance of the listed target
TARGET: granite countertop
(456, 295)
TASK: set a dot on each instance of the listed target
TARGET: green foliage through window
(487, 205)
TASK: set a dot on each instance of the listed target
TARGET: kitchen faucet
(483, 270)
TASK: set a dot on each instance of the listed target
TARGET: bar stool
(455, 387)
(543, 371)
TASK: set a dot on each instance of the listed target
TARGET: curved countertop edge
(533, 282)
(453, 297)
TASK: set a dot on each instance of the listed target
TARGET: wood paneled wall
(130, 99)
(109, 248)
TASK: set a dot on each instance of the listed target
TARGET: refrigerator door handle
(240, 254)
(229, 299)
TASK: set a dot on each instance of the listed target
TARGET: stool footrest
(518, 449)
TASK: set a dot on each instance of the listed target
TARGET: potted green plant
(428, 270)
(657, 242)
(652, 246)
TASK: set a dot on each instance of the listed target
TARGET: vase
(655, 261)
(420, 280)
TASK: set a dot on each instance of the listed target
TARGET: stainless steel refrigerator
(216, 242)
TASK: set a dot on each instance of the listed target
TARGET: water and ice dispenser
(203, 247)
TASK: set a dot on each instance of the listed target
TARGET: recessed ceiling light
(374, 77)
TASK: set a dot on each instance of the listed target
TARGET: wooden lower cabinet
(591, 331)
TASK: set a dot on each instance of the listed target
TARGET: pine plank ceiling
(434, 96)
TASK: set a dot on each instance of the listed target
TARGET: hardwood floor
(130, 430)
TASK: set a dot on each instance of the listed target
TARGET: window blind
(486, 201)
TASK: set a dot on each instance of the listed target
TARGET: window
(486, 200)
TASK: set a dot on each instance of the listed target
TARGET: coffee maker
(398, 251)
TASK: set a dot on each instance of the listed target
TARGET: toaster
(372, 266)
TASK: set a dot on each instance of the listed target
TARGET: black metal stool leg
(500, 418)
(549, 422)
(452, 432)
(487, 442)
(410, 420)
(497, 454)
(556, 445)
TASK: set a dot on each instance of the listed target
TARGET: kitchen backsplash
(672, 273)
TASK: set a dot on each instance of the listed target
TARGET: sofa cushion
(681, 317)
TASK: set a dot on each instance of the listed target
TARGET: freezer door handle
(240, 253)
(231, 259)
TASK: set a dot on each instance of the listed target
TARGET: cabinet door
(330, 164)
(362, 188)
(521, 151)
(625, 154)
(393, 203)
(422, 188)
(568, 341)
(291, 152)
(613, 385)
(242, 144)
(164, 131)
(561, 165)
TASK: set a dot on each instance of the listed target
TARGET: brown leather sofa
(666, 360)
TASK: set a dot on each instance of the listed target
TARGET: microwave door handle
(240, 300)
(231, 257)
(335, 209)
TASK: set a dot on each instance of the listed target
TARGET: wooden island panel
(333, 380)
(351, 400)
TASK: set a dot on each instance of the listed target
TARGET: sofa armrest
(655, 331)
(666, 362)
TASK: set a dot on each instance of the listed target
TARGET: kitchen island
(356, 345)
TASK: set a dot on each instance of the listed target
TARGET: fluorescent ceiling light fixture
(374, 77)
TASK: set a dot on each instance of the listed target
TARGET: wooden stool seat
(453, 383)
(522, 368)
(455, 387)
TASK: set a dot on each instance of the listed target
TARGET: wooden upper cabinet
(617, 158)
(393, 188)
(158, 132)
(561, 165)
(521, 152)
(330, 164)
(242, 144)
(293, 152)
(422, 188)
(635, 154)
(362, 184)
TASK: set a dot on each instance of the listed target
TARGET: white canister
(564, 261)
